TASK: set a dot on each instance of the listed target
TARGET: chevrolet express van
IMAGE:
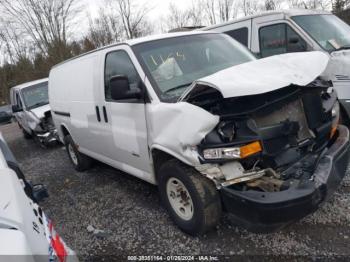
(278, 32)
(216, 129)
(30, 107)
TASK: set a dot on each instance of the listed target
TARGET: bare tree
(210, 9)
(273, 4)
(105, 29)
(46, 22)
(133, 17)
(339, 5)
(310, 4)
(192, 16)
(177, 18)
(250, 7)
(197, 16)
(341, 9)
(220, 10)
(225, 9)
(14, 43)
(270, 5)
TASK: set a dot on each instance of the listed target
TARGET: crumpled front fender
(178, 128)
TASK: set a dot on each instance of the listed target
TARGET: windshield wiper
(344, 47)
(177, 87)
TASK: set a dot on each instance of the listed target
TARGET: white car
(30, 106)
(198, 115)
(26, 233)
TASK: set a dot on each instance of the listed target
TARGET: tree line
(37, 34)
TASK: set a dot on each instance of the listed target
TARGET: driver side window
(18, 101)
(279, 39)
(119, 63)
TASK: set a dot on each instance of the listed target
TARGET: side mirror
(40, 192)
(120, 89)
(295, 45)
(294, 40)
(16, 109)
(257, 55)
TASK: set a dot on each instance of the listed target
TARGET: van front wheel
(26, 135)
(191, 199)
(80, 161)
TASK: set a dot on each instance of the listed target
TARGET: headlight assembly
(222, 153)
(227, 131)
(335, 118)
(232, 152)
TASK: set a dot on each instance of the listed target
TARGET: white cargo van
(278, 32)
(30, 106)
(198, 115)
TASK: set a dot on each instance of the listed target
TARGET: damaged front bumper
(48, 138)
(268, 211)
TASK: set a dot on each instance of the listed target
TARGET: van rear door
(74, 93)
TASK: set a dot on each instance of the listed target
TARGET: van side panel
(72, 97)
(228, 28)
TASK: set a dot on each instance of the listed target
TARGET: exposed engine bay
(267, 142)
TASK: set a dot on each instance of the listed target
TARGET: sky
(159, 7)
(158, 10)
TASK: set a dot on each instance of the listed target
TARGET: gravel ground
(133, 222)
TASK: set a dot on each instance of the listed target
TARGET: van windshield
(329, 31)
(173, 64)
(36, 95)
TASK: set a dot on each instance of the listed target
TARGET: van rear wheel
(80, 161)
(191, 199)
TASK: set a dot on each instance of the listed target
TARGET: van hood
(252, 78)
(39, 112)
(265, 75)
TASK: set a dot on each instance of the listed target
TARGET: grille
(294, 111)
(342, 77)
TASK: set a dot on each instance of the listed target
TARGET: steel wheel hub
(179, 198)
(72, 154)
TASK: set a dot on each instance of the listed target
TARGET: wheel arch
(63, 131)
(161, 154)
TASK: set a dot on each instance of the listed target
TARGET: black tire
(26, 135)
(205, 198)
(82, 162)
(344, 117)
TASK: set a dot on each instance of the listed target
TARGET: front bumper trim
(48, 137)
(266, 212)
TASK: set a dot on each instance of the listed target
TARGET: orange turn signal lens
(250, 149)
(333, 131)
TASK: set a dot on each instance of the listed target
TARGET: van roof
(286, 12)
(140, 40)
(24, 85)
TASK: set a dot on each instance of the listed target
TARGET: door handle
(98, 114)
(105, 114)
